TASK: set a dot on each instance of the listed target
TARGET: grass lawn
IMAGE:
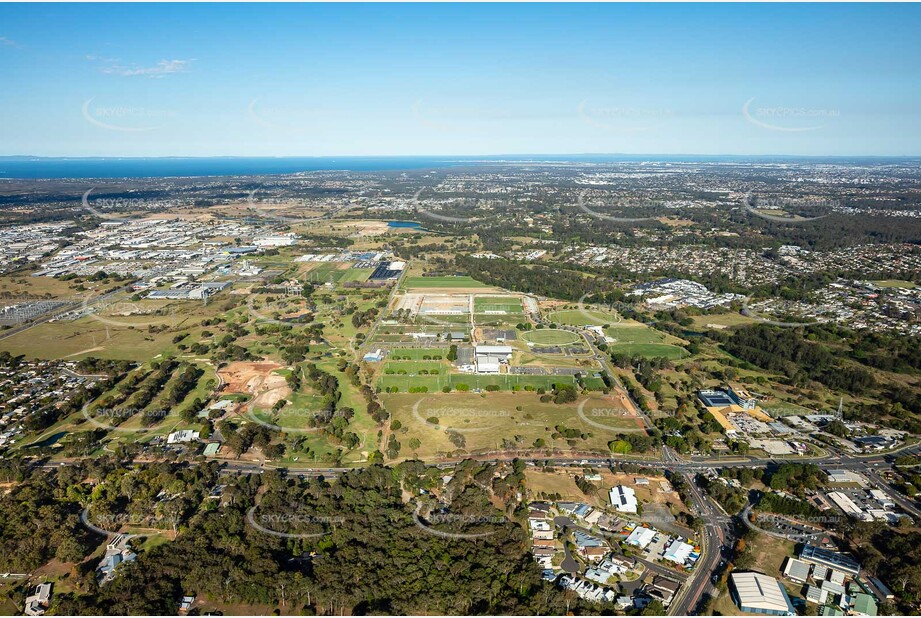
(443, 282)
(562, 481)
(356, 274)
(724, 605)
(113, 336)
(361, 423)
(723, 319)
(582, 317)
(414, 367)
(417, 353)
(769, 553)
(525, 358)
(486, 420)
(432, 383)
(321, 272)
(26, 285)
(133, 429)
(894, 283)
(551, 337)
(472, 381)
(297, 414)
(650, 350)
(441, 320)
(637, 339)
(7, 607)
(152, 541)
(506, 304)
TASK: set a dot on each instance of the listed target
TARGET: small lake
(405, 224)
(50, 440)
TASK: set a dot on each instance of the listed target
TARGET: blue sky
(422, 79)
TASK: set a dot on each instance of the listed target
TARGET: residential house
(662, 588)
(39, 601)
(623, 499)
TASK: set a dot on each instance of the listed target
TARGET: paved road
(856, 463)
(658, 569)
(569, 564)
(898, 498)
(717, 529)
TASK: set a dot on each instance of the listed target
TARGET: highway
(717, 530)
(855, 463)
(716, 537)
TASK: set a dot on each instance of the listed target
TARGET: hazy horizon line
(469, 156)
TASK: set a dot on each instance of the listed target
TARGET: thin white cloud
(161, 69)
(6, 41)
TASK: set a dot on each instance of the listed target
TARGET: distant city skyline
(459, 80)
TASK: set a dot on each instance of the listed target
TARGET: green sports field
(551, 337)
(582, 317)
(414, 367)
(435, 383)
(417, 353)
(326, 271)
(356, 274)
(442, 282)
(504, 304)
(637, 339)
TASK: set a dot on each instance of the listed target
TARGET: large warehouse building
(490, 357)
(760, 594)
(831, 559)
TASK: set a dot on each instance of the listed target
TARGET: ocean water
(162, 167)
(25, 167)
